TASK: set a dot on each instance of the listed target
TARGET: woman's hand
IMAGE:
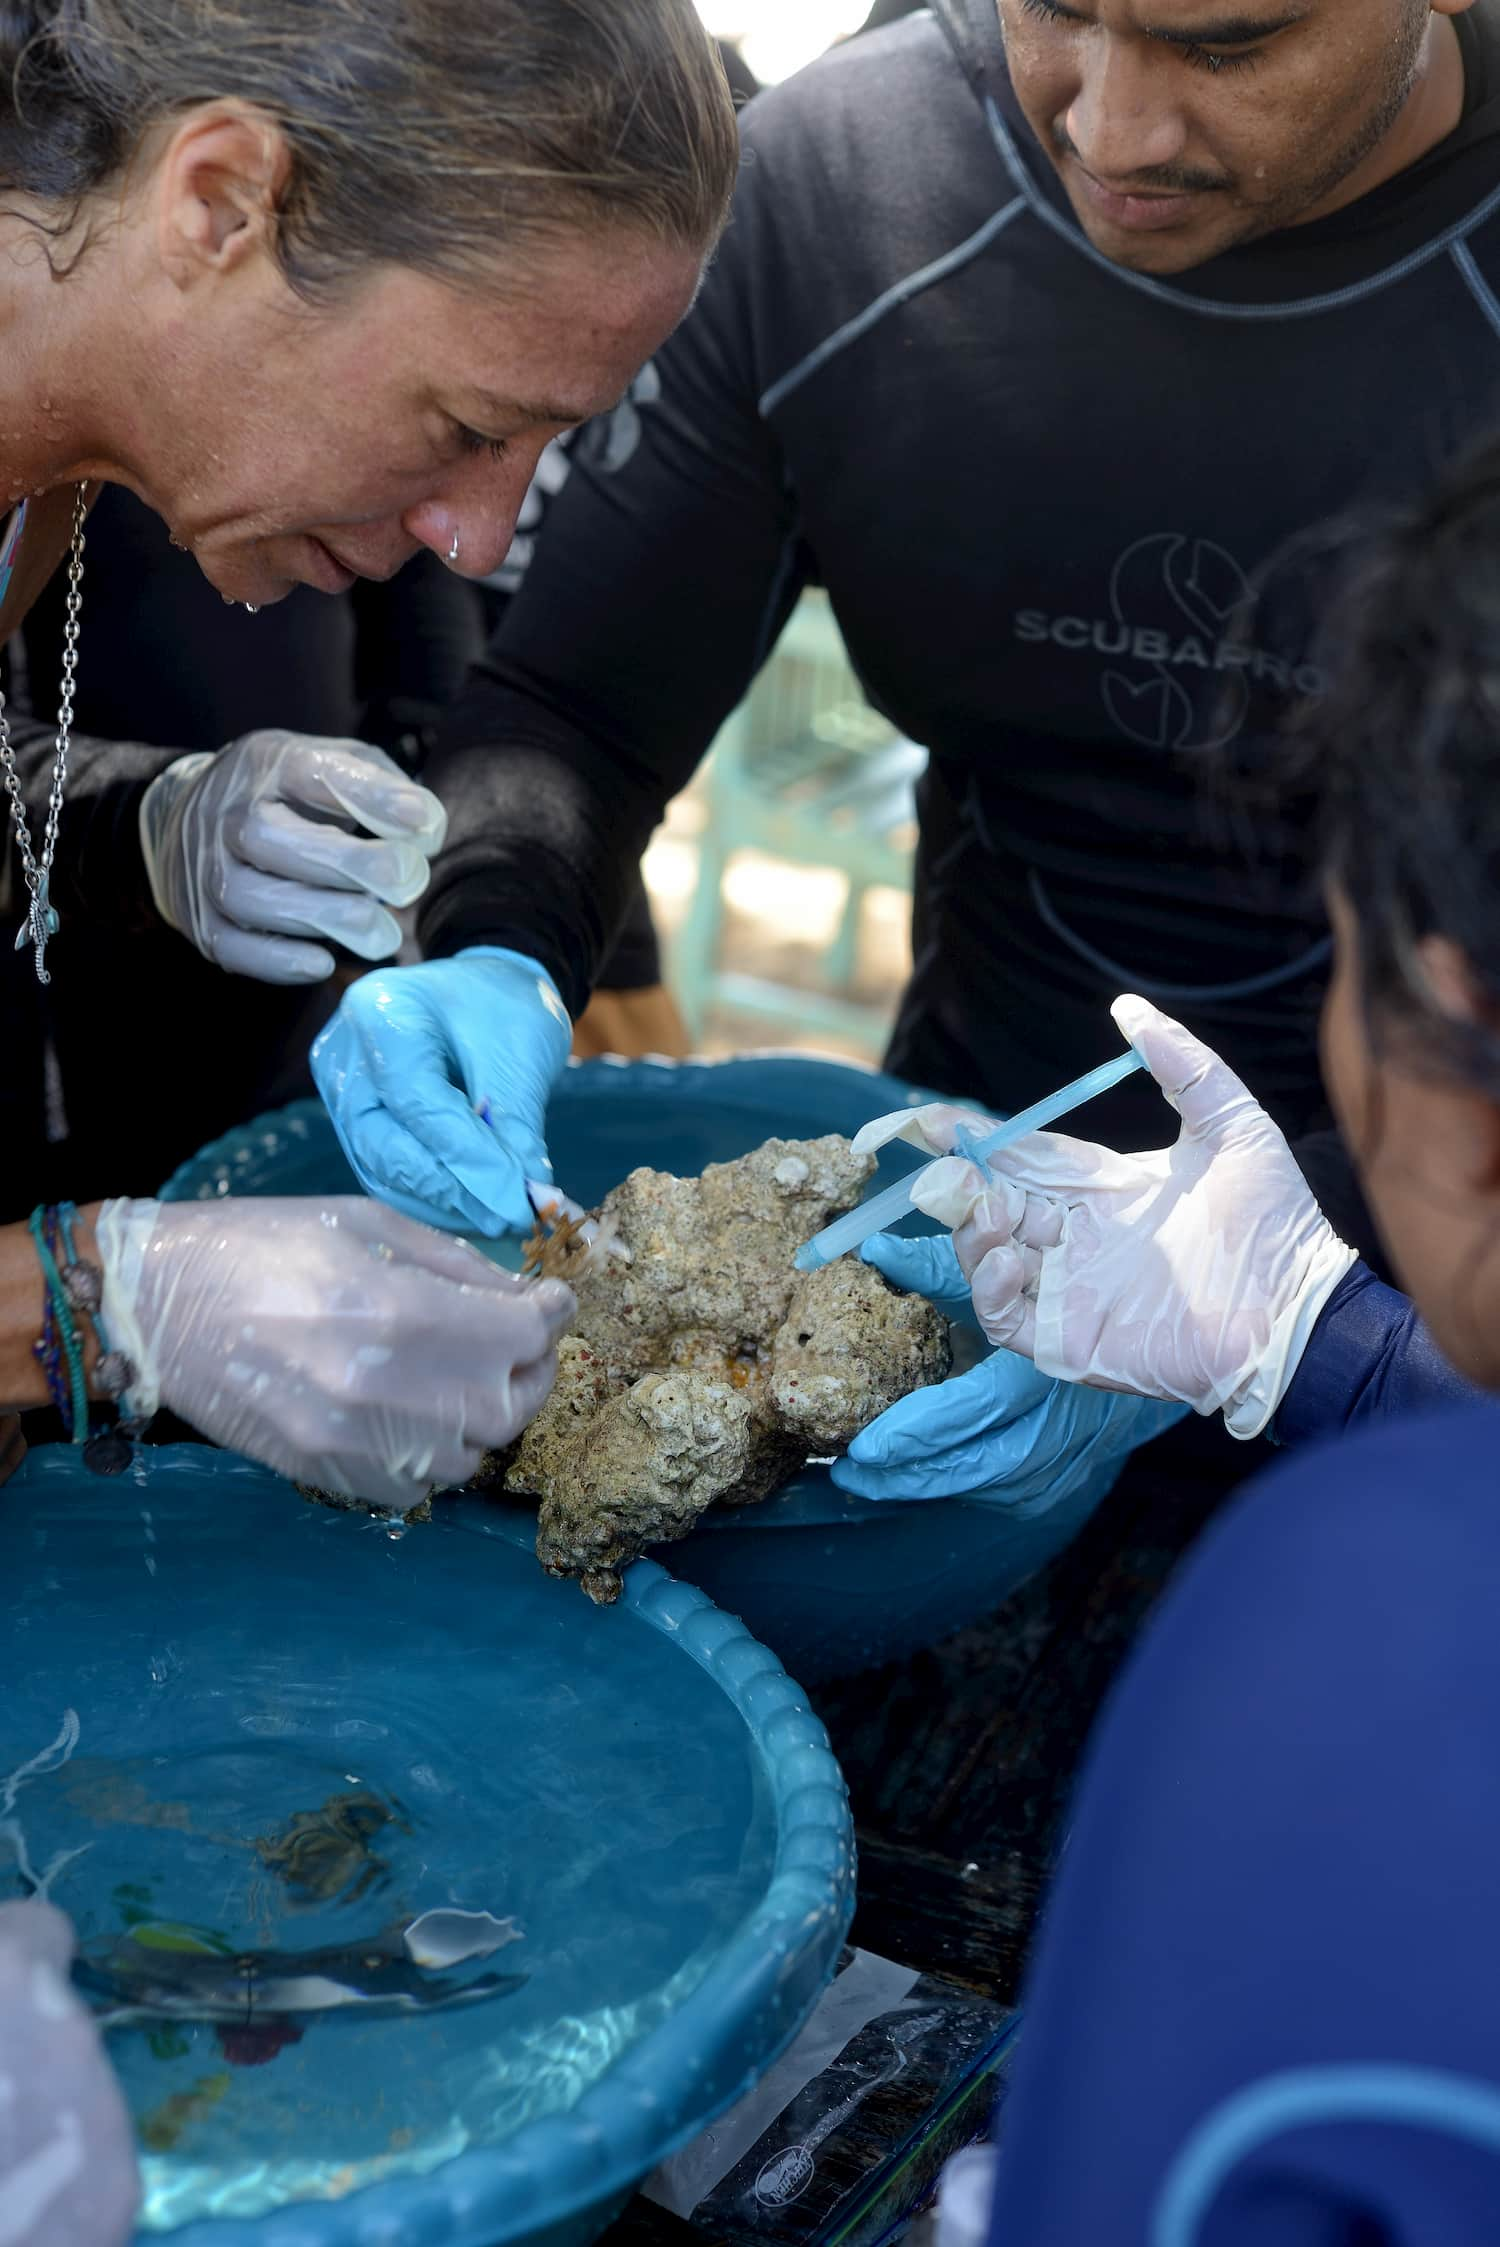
(282, 838)
(67, 2156)
(335, 1340)
(1196, 1272)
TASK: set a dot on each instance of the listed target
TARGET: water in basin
(262, 1726)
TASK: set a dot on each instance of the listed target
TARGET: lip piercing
(453, 549)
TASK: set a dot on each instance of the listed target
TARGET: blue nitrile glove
(437, 1079)
(1002, 1431)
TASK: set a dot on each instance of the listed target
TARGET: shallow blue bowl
(835, 1584)
(193, 1655)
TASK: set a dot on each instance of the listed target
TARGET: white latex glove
(334, 1340)
(239, 867)
(67, 2153)
(1196, 1272)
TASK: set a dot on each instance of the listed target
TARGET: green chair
(804, 770)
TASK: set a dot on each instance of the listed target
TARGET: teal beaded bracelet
(83, 1284)
(74, 1285)
(62, 1312)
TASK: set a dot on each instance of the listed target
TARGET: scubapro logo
(1183, 614)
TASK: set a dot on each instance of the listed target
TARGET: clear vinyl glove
(437, 1079)
(67, 2150)
(1002, 1431)
(256, 851)
(335, 1340)
(1196, 1272)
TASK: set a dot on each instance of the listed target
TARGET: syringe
(888, 1208)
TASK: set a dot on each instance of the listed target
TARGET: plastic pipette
(885, 1209)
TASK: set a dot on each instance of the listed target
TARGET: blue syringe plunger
(888, 1208)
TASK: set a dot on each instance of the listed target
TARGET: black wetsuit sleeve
(670, 562)
(98, 872)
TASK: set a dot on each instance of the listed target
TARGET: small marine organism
(324, 1855)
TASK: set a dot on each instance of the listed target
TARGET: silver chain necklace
(41, 915)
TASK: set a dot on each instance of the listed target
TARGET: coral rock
(703, 1367)
(849, 1347)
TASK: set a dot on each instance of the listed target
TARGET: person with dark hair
(1265, 2007)
(1110, 310)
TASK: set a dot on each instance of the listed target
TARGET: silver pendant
(41, 922)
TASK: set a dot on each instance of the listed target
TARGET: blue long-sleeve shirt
(1370, 1357)
(1265, 2008)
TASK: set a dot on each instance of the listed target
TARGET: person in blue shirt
(1265, 2005)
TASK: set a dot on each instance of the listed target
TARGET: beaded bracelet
(74, 1284)
(47, 1350)
(59, 1337)
(83, 1284)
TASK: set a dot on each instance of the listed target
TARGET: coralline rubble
(702, 1366)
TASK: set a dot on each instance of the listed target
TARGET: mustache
(1160, 179)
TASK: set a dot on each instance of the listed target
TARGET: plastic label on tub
(865, 1988)
(890, 2061)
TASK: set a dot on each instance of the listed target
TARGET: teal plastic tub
(834, 1584)
(198, 1664)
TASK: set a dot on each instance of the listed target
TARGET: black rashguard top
(163, 659)
(1076, 527)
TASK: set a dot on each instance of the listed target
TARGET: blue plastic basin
(834, 1584)
(193, 1656)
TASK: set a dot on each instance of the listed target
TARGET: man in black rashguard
(1063, 346)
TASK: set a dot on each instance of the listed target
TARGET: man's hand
(437, 1078)
(1002, 1431)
